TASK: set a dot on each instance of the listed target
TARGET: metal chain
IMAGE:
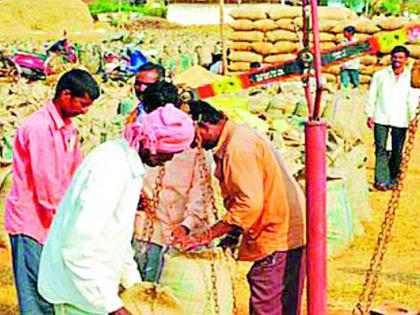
(372, 274)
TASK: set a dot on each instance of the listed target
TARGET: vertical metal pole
(317, 59)
(222, 38)
(316, 231)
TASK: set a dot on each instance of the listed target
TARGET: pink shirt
(46, 154)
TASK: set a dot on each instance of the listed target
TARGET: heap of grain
(274, 36)
(51, 16)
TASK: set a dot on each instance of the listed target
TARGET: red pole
(316, 230)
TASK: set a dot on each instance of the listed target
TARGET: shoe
(381, 186)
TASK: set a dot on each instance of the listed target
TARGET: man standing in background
(391, 105)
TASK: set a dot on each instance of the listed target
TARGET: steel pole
(316, 230)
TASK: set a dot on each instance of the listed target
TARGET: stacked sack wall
(274, 36)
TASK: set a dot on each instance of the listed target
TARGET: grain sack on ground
(239, 66)
(279, 58)
(250, 36)
(250, 14)
(245, 56)
(326, 25)
(282, 47)
(242, 25)
(391, 24)
(286, 24)
(366, 26)
(263, 48)
(265, 25)
(241, 46)
(281, 35)
(333, 70)
(414, 50)
(369, 60)
(284, 12)
(44, 15)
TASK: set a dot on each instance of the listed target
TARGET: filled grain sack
(250, 14)
(279, 58)
(242, 25)
(339, 26)
(365, 79)
(414, 50)
(282, 47)
(245, 56)
(415, 75)
(286, 24)
(247, 36)
(241, 46)
(333, 70)
(369, 60)
(339, 14)
(263, 48)
(327, 25)
(188, 275)
(328, 45)
(239, 66)
(366, 26)
(280, 35)
(265, 25)
(284, 12)
(326, 37)
(391, 24)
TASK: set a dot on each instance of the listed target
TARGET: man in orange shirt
(264, 201)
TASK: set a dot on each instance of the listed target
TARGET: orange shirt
(260, 195)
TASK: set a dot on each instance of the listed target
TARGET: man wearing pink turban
(88, 252)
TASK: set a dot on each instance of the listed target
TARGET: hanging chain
(372, 275)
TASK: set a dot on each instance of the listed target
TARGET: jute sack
(414, 50)
(241, 46)
(333, 70)
(245, 56)
(279, 58)
(366, 26)
(331, 13)
(415, 75)
(326, 37)
(265, 25)
(263, 48)
(149, 299)
(327, 25)
(249, 36)
(328, 45)
(369, 60)
(392, 24)
(188, 275)
(282, 47)
(279, 35)
(284, 12)
(242, 25)
(239, 66)
(286, 25)
(365, 79)
(339, 27)
(250, 14)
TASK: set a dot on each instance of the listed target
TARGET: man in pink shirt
(45, 156)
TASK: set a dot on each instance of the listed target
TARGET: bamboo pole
(222, 38)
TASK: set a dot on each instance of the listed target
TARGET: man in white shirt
(391, 105)
(88, 252)
(349, 71)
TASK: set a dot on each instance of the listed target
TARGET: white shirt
(353, 64)
(392, 101)
(88, 250)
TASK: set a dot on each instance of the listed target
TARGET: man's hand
(194, 241)
(121, 311)
(370, 123)
(178, 234)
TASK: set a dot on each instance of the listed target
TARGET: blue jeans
(349, 76)
(26, 253)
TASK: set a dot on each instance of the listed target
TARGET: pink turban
(166, 129)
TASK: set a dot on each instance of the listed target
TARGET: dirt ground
(400, 278)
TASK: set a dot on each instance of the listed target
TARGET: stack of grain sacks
(273, 36)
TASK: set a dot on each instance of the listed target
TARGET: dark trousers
(387, 166)
(26, 253)
(276, 283)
